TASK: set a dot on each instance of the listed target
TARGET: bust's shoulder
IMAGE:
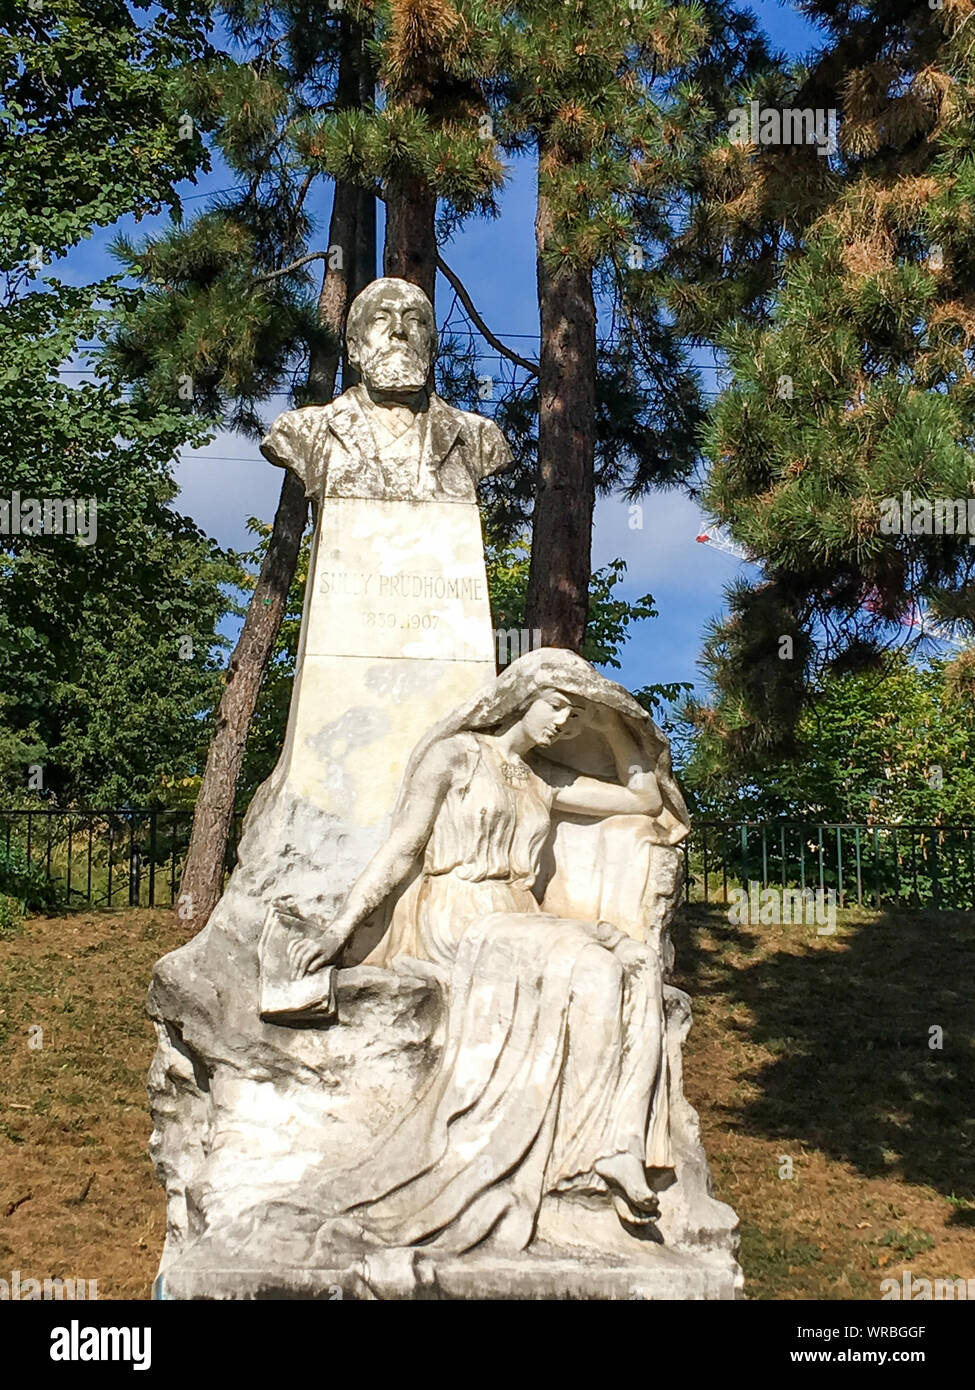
(293, 425)
(298, 439)
(479, 426)
(311, 417)
(490, 447)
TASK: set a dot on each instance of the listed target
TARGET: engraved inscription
(364, 584)
(420, 614)
(416, 622)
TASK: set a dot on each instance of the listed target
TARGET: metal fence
(52, 859)
(912, 866)
(55, 859)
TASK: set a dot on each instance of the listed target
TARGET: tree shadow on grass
(850, 1026)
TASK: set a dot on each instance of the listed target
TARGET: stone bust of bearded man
(391, 436)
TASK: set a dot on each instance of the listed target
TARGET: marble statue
(390, 437)
(426, 1045)
(550, 1078)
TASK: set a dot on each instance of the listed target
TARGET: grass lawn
(807, 1048)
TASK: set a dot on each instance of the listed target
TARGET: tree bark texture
(558, 580)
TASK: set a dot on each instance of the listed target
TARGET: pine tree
(429, 144)
(851, 354)
(610, 97)
(232, 316)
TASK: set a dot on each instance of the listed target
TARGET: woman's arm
(637, 792)
(393, 860)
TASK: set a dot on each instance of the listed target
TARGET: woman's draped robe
(553, 1056)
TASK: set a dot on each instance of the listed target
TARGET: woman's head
(556, 693)
(524, 689)
(549, 715)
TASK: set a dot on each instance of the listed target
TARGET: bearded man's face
(394, 350)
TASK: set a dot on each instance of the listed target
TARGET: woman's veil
(552, 668)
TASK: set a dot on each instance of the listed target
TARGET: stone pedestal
(540, 1275)
(396, 631)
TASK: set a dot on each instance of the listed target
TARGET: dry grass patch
(816, 1049)
(78, 1196)
(805, 1047)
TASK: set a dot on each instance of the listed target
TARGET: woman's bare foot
(625, 1175)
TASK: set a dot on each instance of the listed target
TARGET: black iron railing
(51, 858)
(916, 866)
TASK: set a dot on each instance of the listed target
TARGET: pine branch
(479, 323)
(302, 195)
(289, 269)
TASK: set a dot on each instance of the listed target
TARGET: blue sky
(228, 481)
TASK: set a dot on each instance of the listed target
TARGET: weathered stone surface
(670, 1276)
(275, 1135)
(397, 628)
(246, 1113)
(489, 869)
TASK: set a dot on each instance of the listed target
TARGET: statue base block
(667, 1276)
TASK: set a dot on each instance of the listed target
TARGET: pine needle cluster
(851, 363)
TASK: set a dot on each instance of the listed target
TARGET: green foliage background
(98, 682)
(897, 745)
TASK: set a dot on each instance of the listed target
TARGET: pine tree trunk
(558, 578)
(411, 241)
(202, 880)
(365, 226)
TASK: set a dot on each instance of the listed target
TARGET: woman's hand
(307, 954)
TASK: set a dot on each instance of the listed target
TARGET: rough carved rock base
(246, 1113)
